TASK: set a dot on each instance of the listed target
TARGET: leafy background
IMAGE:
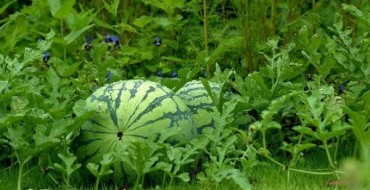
(297, 71)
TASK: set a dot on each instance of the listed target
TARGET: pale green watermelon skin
(135, 109)
(195, 96)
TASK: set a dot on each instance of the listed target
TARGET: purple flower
(160, 73)
(108, 38)
(46, 57)
(341, 89)
(157, 41)
(115, 41)
(88, 44)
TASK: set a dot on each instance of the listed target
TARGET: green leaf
(353, 10)
(359, 121)
(142, 21)
(4, 7)
(112, 9)
(184, 177)
(303, 35)
(93, 168)
(76, 33)
(59, 10)
(69, 163)
(54, 6)
(18, 104)
(305, 130)
(240, 179)
(42, 140)
(315, 42)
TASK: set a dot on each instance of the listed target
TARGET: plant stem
(171, 180)
(97, 183)
(67, 181)
(328, 154)
(336, 150)
(20, 176)
(52, 178)
(205, 25)
(137, 182)
(298, 170)
(288, 179)
(64, 45)
(264, 139)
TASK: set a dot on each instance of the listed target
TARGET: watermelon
(195, 96)
(129, 111)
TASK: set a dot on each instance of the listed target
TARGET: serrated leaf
(305, 130)
(18, 104)
(93, 168)
(69, 163)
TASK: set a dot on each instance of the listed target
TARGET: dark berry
(173, 74)
(160, 73)
(119, 135)
(109, 76)
(46, 57)
(157, 41)
(88, 44)
(341, 89)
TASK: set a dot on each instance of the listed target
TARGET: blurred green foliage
(294, 77)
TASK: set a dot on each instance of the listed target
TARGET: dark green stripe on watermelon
(195, 96)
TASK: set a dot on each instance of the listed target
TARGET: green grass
(265, 176)
(270, 176)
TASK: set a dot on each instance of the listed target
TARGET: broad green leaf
(42, 139)
(359, 122)
(59, 10)
(76, 33)
(9, 119)
(240, 179)
(353, 10)
(54, 6)
(303, 35)
(142, 21)
(305, 130)
(184, 177)
(166, 167)
(315, 42)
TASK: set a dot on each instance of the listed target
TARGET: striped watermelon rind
(132, 110)
(199, 102)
